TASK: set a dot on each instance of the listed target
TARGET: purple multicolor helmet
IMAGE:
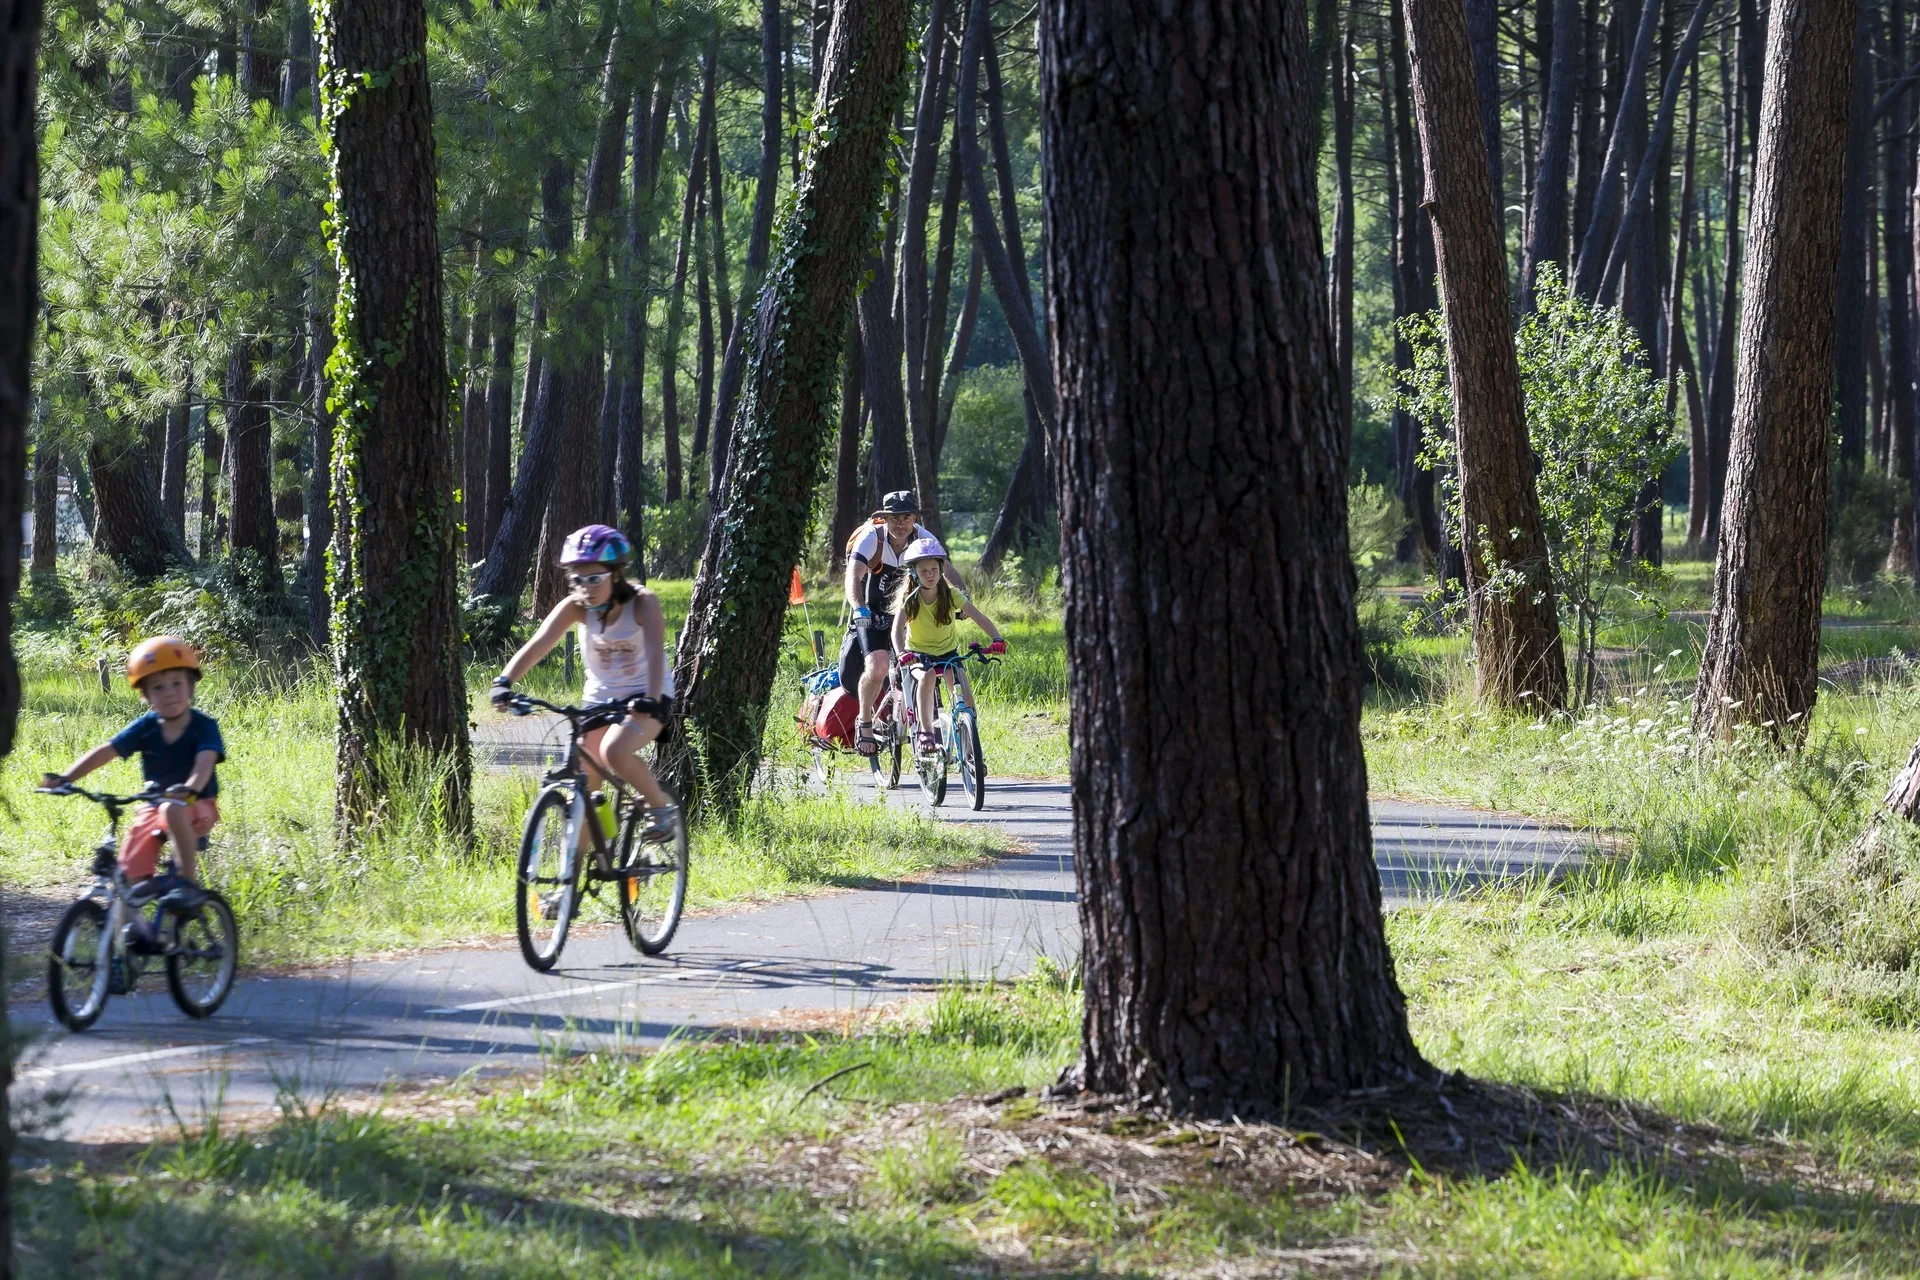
(597, 543)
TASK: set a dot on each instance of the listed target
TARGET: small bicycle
(652, 877)
(104, 940)
(959, 730)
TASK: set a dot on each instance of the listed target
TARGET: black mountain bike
(104, 941)
(564, 843)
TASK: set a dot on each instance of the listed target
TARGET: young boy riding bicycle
(179, 747)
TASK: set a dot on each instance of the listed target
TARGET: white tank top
(616, 657)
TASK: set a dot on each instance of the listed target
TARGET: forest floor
(1699, 1058)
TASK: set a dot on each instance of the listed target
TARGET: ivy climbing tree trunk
(1761, 663)
(1235, 954)
(395, 571)
(1516, 630)
(729, 650)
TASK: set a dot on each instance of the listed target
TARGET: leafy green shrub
(1599, 426)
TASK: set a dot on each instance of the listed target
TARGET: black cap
(900, 502)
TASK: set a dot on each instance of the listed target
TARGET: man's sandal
(864, 743)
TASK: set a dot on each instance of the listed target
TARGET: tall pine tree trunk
(46, 504)
(728, 651)
(1519, 663)
(253, 534)
(396, 628)
(130, 521)
(20, 287)
(759, 236)
(1761, 661)
(1850, 309)
(677, 293)
(1234, 950)
(1547, 210)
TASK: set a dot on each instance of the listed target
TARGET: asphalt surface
(439, 1015)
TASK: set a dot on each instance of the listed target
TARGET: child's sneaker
(183, 895)
(663, 825)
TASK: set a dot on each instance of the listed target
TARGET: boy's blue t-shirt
(170, 764)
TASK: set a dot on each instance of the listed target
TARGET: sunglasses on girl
(587, 579)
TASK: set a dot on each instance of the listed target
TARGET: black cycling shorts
(877, 638)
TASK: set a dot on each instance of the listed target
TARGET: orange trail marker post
(797, 594)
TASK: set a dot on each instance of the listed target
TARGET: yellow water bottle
(603, 813)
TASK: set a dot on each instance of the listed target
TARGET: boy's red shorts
(140, 853)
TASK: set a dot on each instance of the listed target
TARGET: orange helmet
(162, 653)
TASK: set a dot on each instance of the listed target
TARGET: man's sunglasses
(587, 579)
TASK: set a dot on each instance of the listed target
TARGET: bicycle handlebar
(104, 798)
(525, 703)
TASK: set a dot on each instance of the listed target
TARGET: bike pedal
(119, 978)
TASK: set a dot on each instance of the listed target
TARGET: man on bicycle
(873, 578)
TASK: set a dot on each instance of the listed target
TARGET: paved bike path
(436, 1015)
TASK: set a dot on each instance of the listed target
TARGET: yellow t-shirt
(926, 635)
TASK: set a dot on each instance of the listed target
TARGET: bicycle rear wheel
(896, 734)
(78, 967)
(651, 903)
(973, 765)
(203, 951)
(547, 887)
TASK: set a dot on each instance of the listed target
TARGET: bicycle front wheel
(547, 886)
(973, 765)
(203, 952)
(653, 887)
(78, 966)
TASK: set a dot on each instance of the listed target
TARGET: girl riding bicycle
(926, 629)
(623, 644)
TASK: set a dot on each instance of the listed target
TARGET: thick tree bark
(1850, 310)
(759, 237)
(1340, 290)
(728, 652)
(1483, 35)
(253, 534)
(1519, 663)
(1234, 951)
(130, 521)
(396, 621)
(1761, 662)
(46, 504)
(19, 317)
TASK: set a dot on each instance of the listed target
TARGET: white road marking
(590, 988)
(134, 1059)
